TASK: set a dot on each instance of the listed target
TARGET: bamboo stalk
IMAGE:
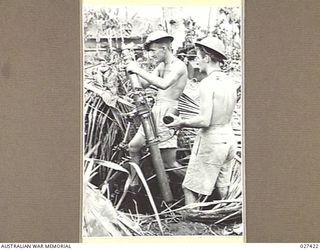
(227, 217)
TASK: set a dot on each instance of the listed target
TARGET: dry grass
(104, 167)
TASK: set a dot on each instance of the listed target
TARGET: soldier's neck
(212, 68)
(169, 59)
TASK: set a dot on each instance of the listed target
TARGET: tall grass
(104, 128)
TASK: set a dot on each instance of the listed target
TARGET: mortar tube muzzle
(134, 80)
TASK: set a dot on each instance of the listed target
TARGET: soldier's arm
(144, 82)
(206, 108)
(161, 83)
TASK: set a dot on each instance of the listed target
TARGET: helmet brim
(222, 56)
(148, 43)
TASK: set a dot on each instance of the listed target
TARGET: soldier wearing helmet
(214, 147)
(170, 77)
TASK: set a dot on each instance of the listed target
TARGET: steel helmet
(213, 43)
(156, 35)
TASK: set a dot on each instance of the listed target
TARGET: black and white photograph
(162, 121)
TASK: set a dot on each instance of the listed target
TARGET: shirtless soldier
(214, 146)
(170, 77)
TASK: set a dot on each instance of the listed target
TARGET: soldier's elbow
(205, 123)
(164, 86)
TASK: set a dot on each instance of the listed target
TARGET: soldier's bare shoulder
(180, 64)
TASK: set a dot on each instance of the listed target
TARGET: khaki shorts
(210, 163)
(165, 135)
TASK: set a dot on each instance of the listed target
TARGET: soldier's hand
(133, 67)
(172, 121)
